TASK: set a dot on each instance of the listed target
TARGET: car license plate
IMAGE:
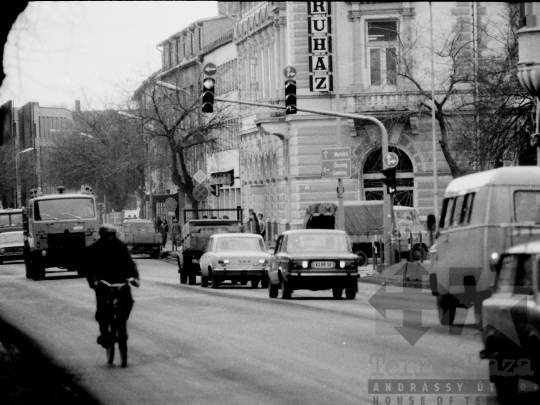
(244, 261)
(322, 265)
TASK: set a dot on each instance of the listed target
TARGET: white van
(482, 215)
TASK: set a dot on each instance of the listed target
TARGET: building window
(382, 47)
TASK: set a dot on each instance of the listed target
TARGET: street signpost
(200, 176)
(289, 72)
(336, 163)
(210, 69)
(200, 193)
(391, 159)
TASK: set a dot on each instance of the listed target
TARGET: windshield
(244, 244)
(11, 237)
(65, 208)
(323, 242)
(10, 219)
(407, 218)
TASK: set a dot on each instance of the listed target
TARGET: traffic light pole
(387, 200)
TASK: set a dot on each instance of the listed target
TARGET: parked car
(511, 321)
(313, 259)
(238, 257)
(11, 246)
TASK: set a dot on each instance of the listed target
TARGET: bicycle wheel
(122, 344)
(112, 341)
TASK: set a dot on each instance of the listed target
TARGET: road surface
(235, 345)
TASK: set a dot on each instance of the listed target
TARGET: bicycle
(117, 322)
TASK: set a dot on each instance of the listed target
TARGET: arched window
(373, 186)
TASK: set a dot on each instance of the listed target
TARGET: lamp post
(17, 179)
(146, 140)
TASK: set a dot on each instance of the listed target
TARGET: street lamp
(17, 180)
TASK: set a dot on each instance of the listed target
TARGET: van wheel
(446, 305)
(507, 388)
(337, 292)
(362, 258)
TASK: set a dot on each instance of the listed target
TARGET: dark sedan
(313, 259)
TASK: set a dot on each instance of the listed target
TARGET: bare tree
(482, 111)
(170, 110)
(105, 151)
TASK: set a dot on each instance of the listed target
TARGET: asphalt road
(235, 345)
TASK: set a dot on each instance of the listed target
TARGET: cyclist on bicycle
(109, 259)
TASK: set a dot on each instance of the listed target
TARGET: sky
(95, 52)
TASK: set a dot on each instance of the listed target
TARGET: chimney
(78, 105)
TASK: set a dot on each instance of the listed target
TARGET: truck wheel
(337, 292)
(183, 276)
(254, 282)
(446, 305)
(362, 258)
(38, 269)
(192, 275)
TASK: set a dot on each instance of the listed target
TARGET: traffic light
(208, 95)
(389, 179)
(214, 189)
(290, 97)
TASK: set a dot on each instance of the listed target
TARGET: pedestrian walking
(262, 226)
(176, 234)
(164, 231)
(158, 224)
(255, 227)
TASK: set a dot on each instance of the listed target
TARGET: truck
(57, 229)
(364, 226)
(195, 237)
(141, 237)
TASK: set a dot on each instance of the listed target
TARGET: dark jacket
(109, 261)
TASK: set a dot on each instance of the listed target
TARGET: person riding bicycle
(108, 259)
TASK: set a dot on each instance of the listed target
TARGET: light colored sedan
(239, 257)
(11, 246)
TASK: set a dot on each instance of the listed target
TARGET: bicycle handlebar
(130, 280)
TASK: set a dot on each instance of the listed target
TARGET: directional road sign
(200, 193)
(289, 72)
(336, 163)
(336, 153)
(391, 159)
(209, 69)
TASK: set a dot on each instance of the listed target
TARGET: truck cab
(57, 229)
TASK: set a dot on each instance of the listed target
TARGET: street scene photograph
(220, 202)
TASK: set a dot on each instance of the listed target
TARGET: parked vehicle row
(319, 259)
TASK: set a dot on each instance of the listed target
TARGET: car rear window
(318, 242)
(240, 244)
